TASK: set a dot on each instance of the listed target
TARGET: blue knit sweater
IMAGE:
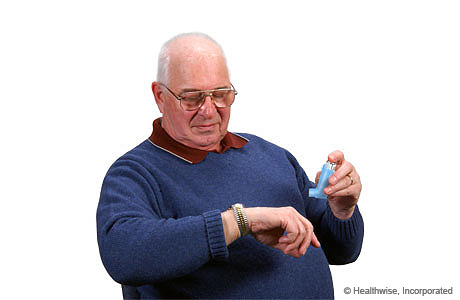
(160, 229)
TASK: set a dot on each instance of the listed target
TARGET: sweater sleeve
(341, 240)
(139, 246)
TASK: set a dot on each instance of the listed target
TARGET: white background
(377, 79)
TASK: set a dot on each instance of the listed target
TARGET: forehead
(198, 66)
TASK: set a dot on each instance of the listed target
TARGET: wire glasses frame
(190, 101)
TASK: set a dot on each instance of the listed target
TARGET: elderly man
(171, 220)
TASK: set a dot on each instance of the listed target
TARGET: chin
(209, 140)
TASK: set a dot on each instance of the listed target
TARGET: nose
(208, 108)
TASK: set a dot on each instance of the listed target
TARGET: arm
(344, 187)
(282, 228)
(139, 246)
(341, 239)
(343, 193)
(337, 221)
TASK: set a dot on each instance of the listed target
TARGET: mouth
(205, 127)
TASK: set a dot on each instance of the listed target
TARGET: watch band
(241, 219)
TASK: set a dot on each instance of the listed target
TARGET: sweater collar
(161, 139)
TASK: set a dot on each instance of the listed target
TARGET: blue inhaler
(323, 182)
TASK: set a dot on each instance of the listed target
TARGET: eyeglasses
(194, 100)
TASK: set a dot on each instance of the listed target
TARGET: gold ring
(351, 178)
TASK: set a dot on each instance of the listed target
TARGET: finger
(341, 172)
(318, 175)
(342, 184)
(314, 241)
(301, 234)
(291, 230)
(308, 239)
(294, 252)
(306, 242)
(350, 191)
(281, 246)
(286, 248)
(336, 157)
(288, 238)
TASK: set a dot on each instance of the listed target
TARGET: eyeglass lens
(194, 100)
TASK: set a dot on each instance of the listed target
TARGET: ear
(158, 94)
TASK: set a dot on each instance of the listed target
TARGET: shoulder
(137, 159)
(140, 152)
(259, 145)
(256, 141)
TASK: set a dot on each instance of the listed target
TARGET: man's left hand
(344, 186)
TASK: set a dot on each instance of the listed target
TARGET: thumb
(317, 177)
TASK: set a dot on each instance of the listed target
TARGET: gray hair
(164, 55)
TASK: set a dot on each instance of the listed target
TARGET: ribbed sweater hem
(216, 238)
(344, 229)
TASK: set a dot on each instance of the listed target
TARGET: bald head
(184, 49)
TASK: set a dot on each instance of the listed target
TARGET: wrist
(241, 219)
(342, 213)
(231, 230)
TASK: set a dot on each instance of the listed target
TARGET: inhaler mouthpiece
(326, 172)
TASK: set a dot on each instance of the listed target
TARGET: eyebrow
(196, 90)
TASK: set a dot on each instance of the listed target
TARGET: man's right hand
(268, 225)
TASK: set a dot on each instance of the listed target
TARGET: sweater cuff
(344, 229)
(215, 234)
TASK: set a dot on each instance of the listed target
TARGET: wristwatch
(241, 219)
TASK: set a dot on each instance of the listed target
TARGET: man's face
(205, 127)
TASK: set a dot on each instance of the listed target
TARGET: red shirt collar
(161, 139)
